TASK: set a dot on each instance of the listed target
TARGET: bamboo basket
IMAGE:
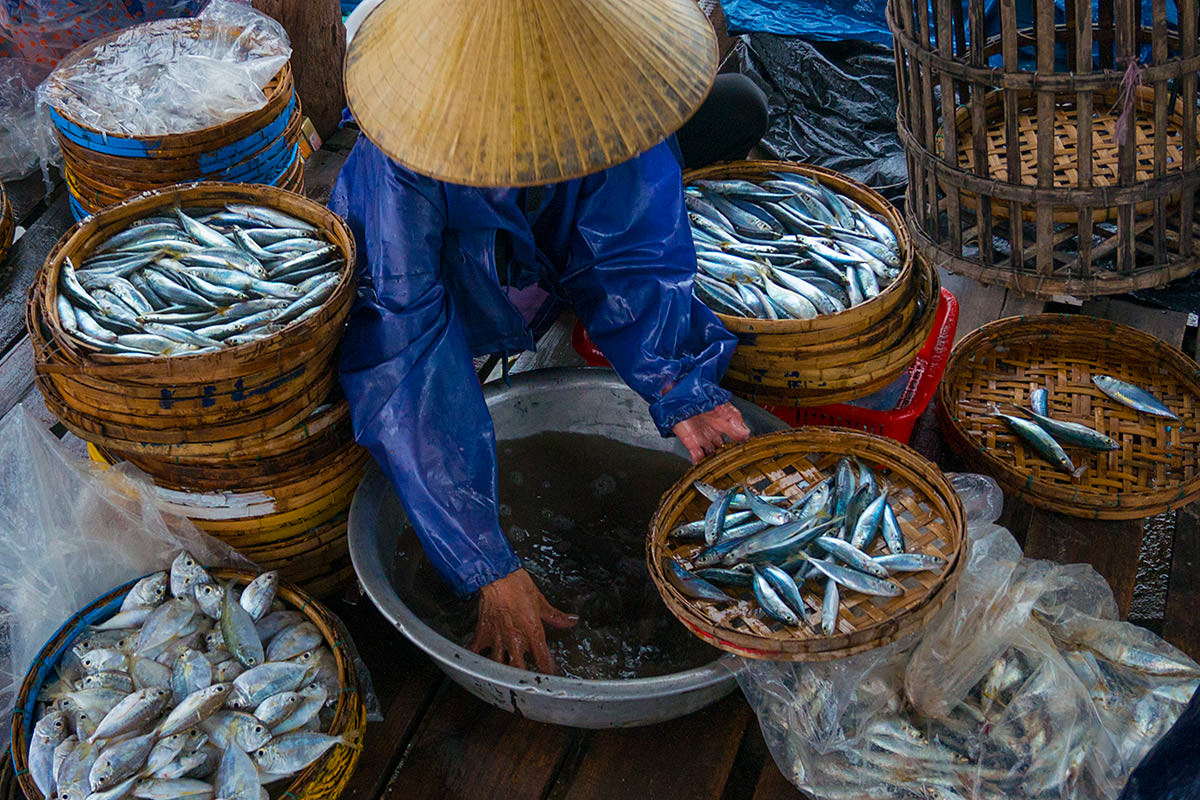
(930, 515)
(818, 361)
(775, 374)
(1051, 156)
(208, 405)
(7, 227)
(1157, 468)
(103, 168)
(324, 779)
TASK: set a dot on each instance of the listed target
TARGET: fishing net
(1025, 685)
(150, 80)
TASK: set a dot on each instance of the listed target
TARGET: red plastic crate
(920, 383)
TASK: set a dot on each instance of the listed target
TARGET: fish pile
(1047, 436)
(196, 281)
(757, 543)
(192, 689)
(1024, 729)
(786, 248)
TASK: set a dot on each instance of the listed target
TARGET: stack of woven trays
(102, 167)
(324, 779)
(250, 442)
(835, 357)
(7, 226)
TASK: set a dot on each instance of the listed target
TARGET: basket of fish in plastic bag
(815, 274)
(177, 100)
(196, 320)
(807, 545)
(192, 684)
(1079, 415)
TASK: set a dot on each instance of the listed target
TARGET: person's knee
(746, 103)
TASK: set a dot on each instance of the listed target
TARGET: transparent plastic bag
(144, 83)
(21, 135)
(1025, 685)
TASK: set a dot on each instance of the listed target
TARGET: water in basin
(576, 508)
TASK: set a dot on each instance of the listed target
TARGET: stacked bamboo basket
(102, 167)
(836, 357)
(1047, 157)
(324, 779)
(250, 442)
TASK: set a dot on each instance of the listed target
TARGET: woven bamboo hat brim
(525, 92)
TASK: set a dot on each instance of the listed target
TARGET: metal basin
(592, 401)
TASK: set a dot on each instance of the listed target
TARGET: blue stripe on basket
(124, 146)
(43, 668)
(77, 210)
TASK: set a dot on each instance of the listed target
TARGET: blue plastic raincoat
(615, 244)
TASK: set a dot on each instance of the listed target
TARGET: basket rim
(349, 712)
(1083, 501)
(827, 441)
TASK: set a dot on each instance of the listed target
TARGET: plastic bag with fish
(1059, 699)
(69, 532)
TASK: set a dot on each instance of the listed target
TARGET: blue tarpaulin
(819, 20)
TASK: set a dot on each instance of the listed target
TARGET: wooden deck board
(1181, 622)
(23, 262)
(700, 749)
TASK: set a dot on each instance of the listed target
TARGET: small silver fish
(1132, 396)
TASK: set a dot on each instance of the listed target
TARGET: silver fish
(146, 593)
(118, 761)
(1042, 442)
(195, 708)
(258, 595)
(293, 752)
(858, 581)
(135, 711)
(770, 601)
(257, 684)
(237, 628)
(1132, 396)
(291, 642)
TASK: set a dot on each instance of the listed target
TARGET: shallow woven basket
(817, 361)
(324, 779)
(773, 373)
(1066, 139)
(207, 405)
(1157, 468)
(927, 507)
(7, 227)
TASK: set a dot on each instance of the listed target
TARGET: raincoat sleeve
(629, 277)
(407, 373)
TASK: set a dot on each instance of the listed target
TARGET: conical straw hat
(524, 92)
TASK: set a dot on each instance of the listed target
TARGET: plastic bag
(1171, 771)
(69, 532)
(143, 84)
(21, 137)
(1025, 685)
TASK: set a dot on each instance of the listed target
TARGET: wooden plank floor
(436, 741)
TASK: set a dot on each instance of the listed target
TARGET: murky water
(576, 509)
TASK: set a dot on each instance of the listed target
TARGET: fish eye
(261, 752)
(259, 729)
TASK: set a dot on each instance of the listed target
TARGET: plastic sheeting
(1024, 685)
(69, 532)
(821, 20)
(141, 84)
(1171, 771)
(832, 104)
(20, 132)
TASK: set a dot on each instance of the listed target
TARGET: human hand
(704, 433)
(511, 614)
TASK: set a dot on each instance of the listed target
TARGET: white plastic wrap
(145, 83)
(1025, 685)
(69, 532)
(20, 133)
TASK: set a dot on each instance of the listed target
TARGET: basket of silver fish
(192, 683)
(1079, 415)
(815, 274)
(196, 320)
(807, 545)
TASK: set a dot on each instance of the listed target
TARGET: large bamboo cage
(1052, 152)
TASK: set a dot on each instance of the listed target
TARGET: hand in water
(704, 433)
(511, 614)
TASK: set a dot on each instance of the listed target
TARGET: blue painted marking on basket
(73, 627)
(208, 396)
(117, 145)
(232, 153)
(165, 400)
